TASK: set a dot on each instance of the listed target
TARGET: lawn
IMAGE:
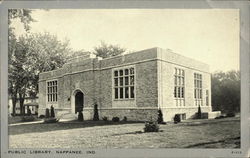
(221, 133)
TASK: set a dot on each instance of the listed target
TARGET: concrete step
(66, 116)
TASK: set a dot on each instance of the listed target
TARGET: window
(198, 89)
(207, 98)
(52, 91)
(179, 86)
(124, 80)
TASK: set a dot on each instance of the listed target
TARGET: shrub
(47, 115)
(177, 118)
(28, 118)
(219, 117)
(105, 118)
(125, 119)
(199, 113)
(115, 119)
(29, 112)
(151, 127)
(160, 117)
(52, 111)
(96, 115)
(231, 114)
(51, 120)
(42, 116)
(80, 116)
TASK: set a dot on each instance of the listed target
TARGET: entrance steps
(62, 116)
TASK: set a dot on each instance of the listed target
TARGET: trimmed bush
(151, 127)
(125, 119)
(220, 117)
(29, 112)
(47, 115)
(115, 119)
(177, 118)
(28, 118)
(231, 114)
(199, 113)
(96, 115)
(42, 116)
(80, 116)
(105, 118)
(51, 120)
(52, 111)
(160, 116)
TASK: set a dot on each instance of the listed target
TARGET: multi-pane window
(179, 81)
(52, 91)
(207, 98)
(198, 89)
(124, 83)
(179, 86)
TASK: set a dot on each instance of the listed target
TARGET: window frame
(52, 91)
(179, 86)
(128, 73)
(207, 97)
(198, 89)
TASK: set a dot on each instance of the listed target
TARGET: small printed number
(236, 152)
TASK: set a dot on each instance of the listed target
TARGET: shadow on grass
(224, 141)
(46, 127)
(205, 122)
(135, 132)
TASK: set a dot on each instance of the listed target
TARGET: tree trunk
(14, 99)
(21, 99)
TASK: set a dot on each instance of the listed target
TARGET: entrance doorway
(79, 100)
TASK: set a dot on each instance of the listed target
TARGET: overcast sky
(208, 35)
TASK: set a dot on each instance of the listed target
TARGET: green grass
(222, 133)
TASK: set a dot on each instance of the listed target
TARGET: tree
(25, 17)
(226, 91)
(23, 14)
(105, 50)
(33, 54)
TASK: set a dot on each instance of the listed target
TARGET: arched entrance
(77, 101)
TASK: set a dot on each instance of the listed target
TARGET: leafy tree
(25, 17)
(23, 14)
(226, 91)
(105, 50)
(33, 54)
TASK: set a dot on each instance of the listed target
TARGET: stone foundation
(190, 112)
(131, 114)
(58, 112)
(140, 114)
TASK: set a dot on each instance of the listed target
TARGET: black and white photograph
(123, 78)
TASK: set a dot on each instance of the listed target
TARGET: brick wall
(166, 70)
(154, 84)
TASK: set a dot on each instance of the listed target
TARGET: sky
(208, 35)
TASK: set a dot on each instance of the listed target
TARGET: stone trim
(185, 107)
(57, 108)
(122, 65)
(135, 108)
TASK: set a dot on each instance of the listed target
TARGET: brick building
(134, 85)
